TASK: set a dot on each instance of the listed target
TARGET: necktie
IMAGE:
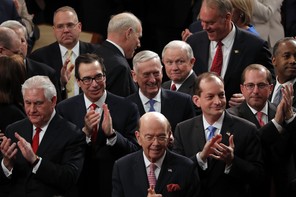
(151, 175)
(95, 129)
(218, 59)
(151, 102)
(211, 132)
(278, 96)
(70, 84)
(35, 141)
(259, 116)
(173, 87)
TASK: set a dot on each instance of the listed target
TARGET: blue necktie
(151, 102)
(212, 132)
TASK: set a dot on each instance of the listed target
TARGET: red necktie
(173, 87)
(259, 115)
(35, 141)
(95, 129)
(218, 59)
(151, 175)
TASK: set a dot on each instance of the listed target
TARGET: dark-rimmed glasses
(88, 80)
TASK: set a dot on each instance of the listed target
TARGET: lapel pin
(170, 170)
(228, 133)
(236, 51)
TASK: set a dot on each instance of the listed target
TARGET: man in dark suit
(239, 47)
(124, 33)
(147, 72)
(109, 127)
(66, 29)
(52, 164)
(178, 60)
(175, 175)
(256, 87)
(32, 67)
(226, 148)
(8, 11)
(284, 61)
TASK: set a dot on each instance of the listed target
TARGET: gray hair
(123, 21)
(144, 56)
(178, 44)
(14, 25)
(7, 36)
(40, 82)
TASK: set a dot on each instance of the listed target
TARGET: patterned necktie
(278, 96)
(211, 132)
(259, 116)
(95, 129)
(35, 141)
(151, 102)
(173, 87)
(71, 82)
(218, 59)
(151, 175)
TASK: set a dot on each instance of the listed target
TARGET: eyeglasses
(160, 139)
(251, 86)
(69, 26)
(88, 80)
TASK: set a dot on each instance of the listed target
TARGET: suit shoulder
(176, 94)
(241, 121)
(185, 161)
(166, 84)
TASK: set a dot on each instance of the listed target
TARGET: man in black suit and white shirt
(52, 169)
(175, 175)
(147, 72)
(109, 127)
(226, 148)
(239, 48)
(66, 29)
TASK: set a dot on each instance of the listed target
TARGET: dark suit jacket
(245, 112)
(294, 98)
(62, 152)
(247, 166)
(175, 106)
(118, 73)
(188, 86)
(97, 171)
(10, 113)
(247, 49)
(130, 178)
(37, 68)
(51, 56)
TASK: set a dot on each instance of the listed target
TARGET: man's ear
(196, 100)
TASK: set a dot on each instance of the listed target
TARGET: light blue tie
(151, 102)
(278, 96)
(212, 132)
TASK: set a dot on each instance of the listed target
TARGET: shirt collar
(99, 102)
(218, 124)
(264, 110)
(158, 163)
(64, 50)
(144, 99)
(117, 46)
(44, 128)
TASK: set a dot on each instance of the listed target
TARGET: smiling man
(174, 175)
(239, 48)
(108, 121)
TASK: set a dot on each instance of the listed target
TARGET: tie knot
(173, 87)
(259, 114)
(38, 130)
(93, 106)
(152, 167)
(151, 102)
(212, 130)
(69, 53)
(219, 44)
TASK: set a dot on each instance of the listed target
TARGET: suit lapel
(165, 174)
